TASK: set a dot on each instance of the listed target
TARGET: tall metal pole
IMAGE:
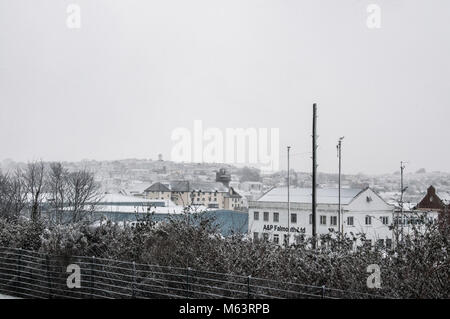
(340, 221)
(402, 167)
(288, 196)
(402, 189)
(314, 172)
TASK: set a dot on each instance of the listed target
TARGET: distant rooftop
(157, 187)
(304, 195)
(188, 186)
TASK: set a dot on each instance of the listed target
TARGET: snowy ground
(7, 297)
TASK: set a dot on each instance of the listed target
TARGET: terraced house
(207, 194)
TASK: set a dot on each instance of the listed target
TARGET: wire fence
(30, 274)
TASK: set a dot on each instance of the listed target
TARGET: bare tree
(57, 186)
(82, 194)
(12, 195)
(33, 178)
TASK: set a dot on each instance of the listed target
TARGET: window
(388, 243)
(385, 220)
(310, 219)
(350, 221)
(294, 218)
(266, 236)
(276, 239)
(285, 239)
(380, 243)
(256, 215)
(368, 220)
(266, 216)
(255, 236)
(323, 220)
(276, 217)
(333, 220)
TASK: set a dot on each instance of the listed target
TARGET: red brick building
(435, 202)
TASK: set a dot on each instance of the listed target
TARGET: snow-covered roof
(132, 200)
(157, 187)
(304, 195)
(187, 186)
(444, 196)
(119, 203)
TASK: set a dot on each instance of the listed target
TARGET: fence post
(323, 292)
(133, 293)
(248, 287)
(19, 260)
(187, 278)
(47, 264)
(92, 277)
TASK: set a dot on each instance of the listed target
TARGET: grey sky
(117, 87)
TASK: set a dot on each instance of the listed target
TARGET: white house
(363, 211)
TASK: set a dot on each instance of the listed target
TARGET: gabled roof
(304, 195)
(432, 200)
(188, 186)
(157, 187)
(207, 187)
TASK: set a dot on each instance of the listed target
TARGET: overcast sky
(136, 70)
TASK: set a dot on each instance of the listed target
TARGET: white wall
(359, 208)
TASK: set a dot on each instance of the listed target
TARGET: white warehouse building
(363, 211)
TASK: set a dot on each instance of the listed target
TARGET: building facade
(435, 204)
(363, 211)
(208, 194)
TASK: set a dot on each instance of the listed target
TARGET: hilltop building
(223, 177)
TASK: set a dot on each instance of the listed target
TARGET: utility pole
(314, 172)
(402, 190)
(402, 167)
(288, 197)
(340, 221)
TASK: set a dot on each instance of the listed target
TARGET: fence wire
(29, 274)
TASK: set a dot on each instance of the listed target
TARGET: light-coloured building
(254, 187)
(208, 194)
(363, 211)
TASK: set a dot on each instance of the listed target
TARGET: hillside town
(134, 176)
(250, 150)
(255, 204)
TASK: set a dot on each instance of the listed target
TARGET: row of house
(187, 193)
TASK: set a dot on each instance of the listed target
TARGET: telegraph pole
(314, 172)
(402, 167)
(288, 196)
(402, 190)
(340, 222)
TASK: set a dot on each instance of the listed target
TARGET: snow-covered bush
(417, 267)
